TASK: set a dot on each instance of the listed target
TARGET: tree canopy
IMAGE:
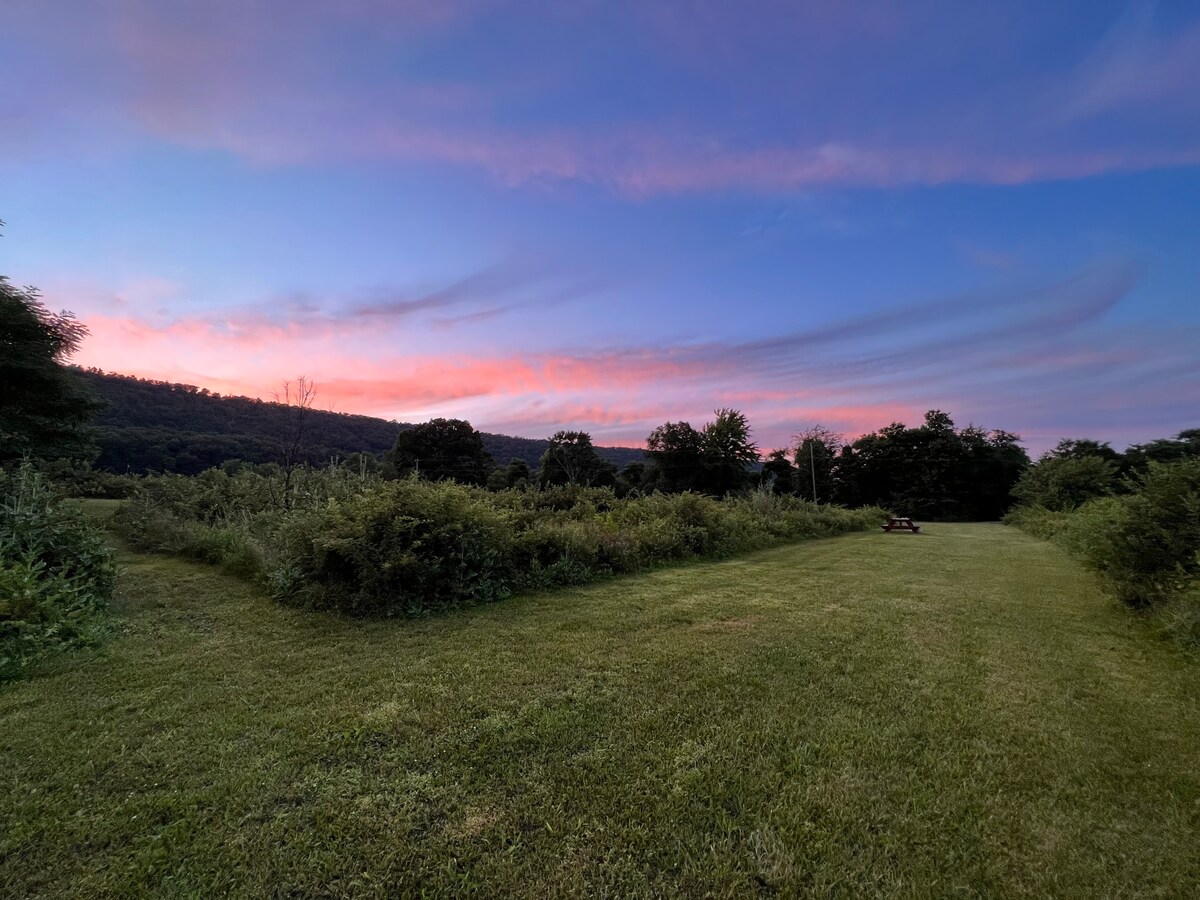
(570, 458)
(714, 460)
(1185, 445)
(1064, 482)
(441, 449)
(44, 407)
(816, 461)
(933, 471)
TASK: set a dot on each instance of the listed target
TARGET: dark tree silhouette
(932, 472)
(714, 460)
(778, 473)
(44, 406)
(570, 458)
(676, 454)
(441, 449)
(815, 453)
(728, 452)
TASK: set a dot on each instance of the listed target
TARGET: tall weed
(56, 573)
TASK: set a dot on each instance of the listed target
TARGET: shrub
(1038, 521)
(1179, 617)
(406, 547)
(375, 547)
(56, 574)
(1064, 482)
(1144, 544)
(74, 479)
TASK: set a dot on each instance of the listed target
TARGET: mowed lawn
(960, 712)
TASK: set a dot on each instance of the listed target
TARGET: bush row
(56, 573)
(1144, 544)
(374, 547)
(77, 480)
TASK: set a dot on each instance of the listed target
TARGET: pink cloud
(226, 76)
(253, 359)
(528, 394)
(1008, 360)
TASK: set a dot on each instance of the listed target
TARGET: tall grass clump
(1144, 544)
(56, 574)
(1044, 523)
(374, 547)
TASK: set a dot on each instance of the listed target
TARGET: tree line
(1078, 471)
(934, 470)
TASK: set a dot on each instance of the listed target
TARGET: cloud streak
(516, 283)
(1050, 346)
(1134, 63)
(274, 96)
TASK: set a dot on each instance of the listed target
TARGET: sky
(607, 215)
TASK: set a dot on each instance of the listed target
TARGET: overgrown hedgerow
(374, 547)
(1144, 544)
(56, 574)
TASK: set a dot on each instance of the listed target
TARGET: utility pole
(812, 462)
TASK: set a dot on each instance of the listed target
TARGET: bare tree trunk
(298, 398)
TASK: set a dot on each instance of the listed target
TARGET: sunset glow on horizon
(545, 216)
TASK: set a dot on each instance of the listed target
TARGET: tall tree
(778, 473)
(995, 463)
(44, 406)
(441, 449)
(933, 471)
(816, 451)
(676, 454)
(728, 452)
(714, 460)
(571, 459)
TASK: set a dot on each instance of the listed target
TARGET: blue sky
(607, 215)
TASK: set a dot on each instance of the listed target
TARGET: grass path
(956, 713)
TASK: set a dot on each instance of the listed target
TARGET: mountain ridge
(164, 426)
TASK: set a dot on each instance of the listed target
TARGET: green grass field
(960, 712)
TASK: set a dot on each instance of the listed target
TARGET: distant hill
(158, 426)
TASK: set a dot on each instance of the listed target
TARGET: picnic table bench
(901, 523)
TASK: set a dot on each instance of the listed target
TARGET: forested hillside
(157, 426)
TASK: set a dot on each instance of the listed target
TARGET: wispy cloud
(145, 306)
(273, 95)
(515, 283)
(1136, 63)
(1015, 357)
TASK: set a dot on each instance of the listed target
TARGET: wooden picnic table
(901, 523)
